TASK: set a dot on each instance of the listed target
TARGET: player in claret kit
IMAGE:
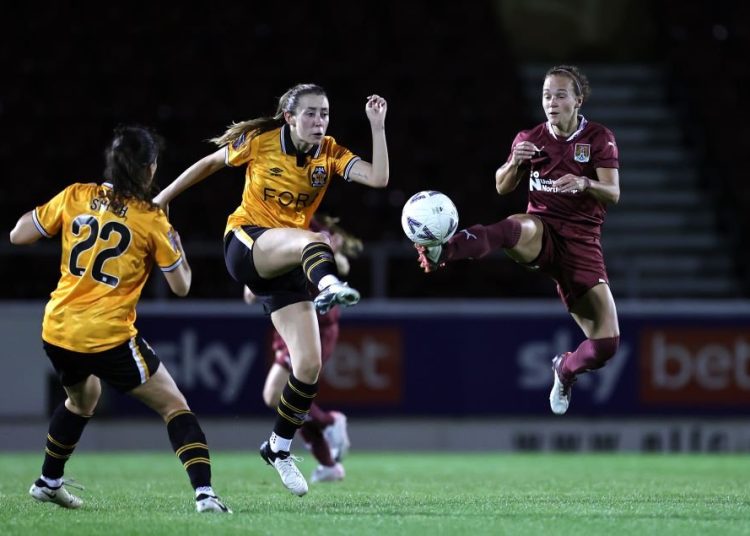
(112, 236)
(572, 168)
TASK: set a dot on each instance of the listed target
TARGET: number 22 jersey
(106, 259)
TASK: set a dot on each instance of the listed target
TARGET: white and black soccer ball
(429, 218)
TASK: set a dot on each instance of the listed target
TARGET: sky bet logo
(366, 368)
(210, 365)
(534, 364)
(690, 366)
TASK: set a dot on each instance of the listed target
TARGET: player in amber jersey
(572, 169)
(289, 163)
(112, 235)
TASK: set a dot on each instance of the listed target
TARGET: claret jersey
(284, 188)
(590, 147)
(106, 259)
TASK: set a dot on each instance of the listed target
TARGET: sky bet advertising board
(443, 364)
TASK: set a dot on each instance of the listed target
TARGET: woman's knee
(82, 409)
(531, 228)
(161, 394)
(84, 397)
(529, 243)
(320, 237)
(604, 349)
(307, 370)
(172, 402)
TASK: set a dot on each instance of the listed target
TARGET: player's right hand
(524, 151)
(376, 109)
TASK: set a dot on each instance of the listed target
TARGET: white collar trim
(581, 126)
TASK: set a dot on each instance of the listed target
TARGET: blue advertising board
(477, 360)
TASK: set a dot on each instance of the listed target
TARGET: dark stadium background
(461, 79)
(451, 72)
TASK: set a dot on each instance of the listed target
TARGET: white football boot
(559, 396)
(283, 462)
(324, 473)
(205, 502)
(337, 436)
(59, 496)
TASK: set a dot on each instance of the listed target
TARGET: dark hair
(288, 102)
(580, 82)
(128, 157)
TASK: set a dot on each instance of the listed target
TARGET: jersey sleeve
(241, 150)
(604, 153)
(167, 254)
(48, 217)
(343, 159)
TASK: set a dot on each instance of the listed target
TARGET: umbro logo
(276, 172)
(469, 236)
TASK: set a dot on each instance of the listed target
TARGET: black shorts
(275, 293)
(124, 367)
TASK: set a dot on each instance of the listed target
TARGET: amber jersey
(106, 259)
(284, 188)
(592, 146)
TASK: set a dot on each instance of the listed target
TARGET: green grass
(395, 493)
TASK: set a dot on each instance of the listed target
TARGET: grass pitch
(395, 493)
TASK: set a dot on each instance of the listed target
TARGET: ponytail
(288, 102)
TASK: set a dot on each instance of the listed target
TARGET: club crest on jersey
(318, 176)
(582, 152)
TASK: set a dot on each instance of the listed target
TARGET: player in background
(325, 432)
(268, 247)
(572, 168)
(112, 235)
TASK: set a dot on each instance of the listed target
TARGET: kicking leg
(279, 250)
(520, 235)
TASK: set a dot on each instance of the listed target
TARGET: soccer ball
(429, 218)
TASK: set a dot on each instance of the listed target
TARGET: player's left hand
(376, 109)
(572, 184)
